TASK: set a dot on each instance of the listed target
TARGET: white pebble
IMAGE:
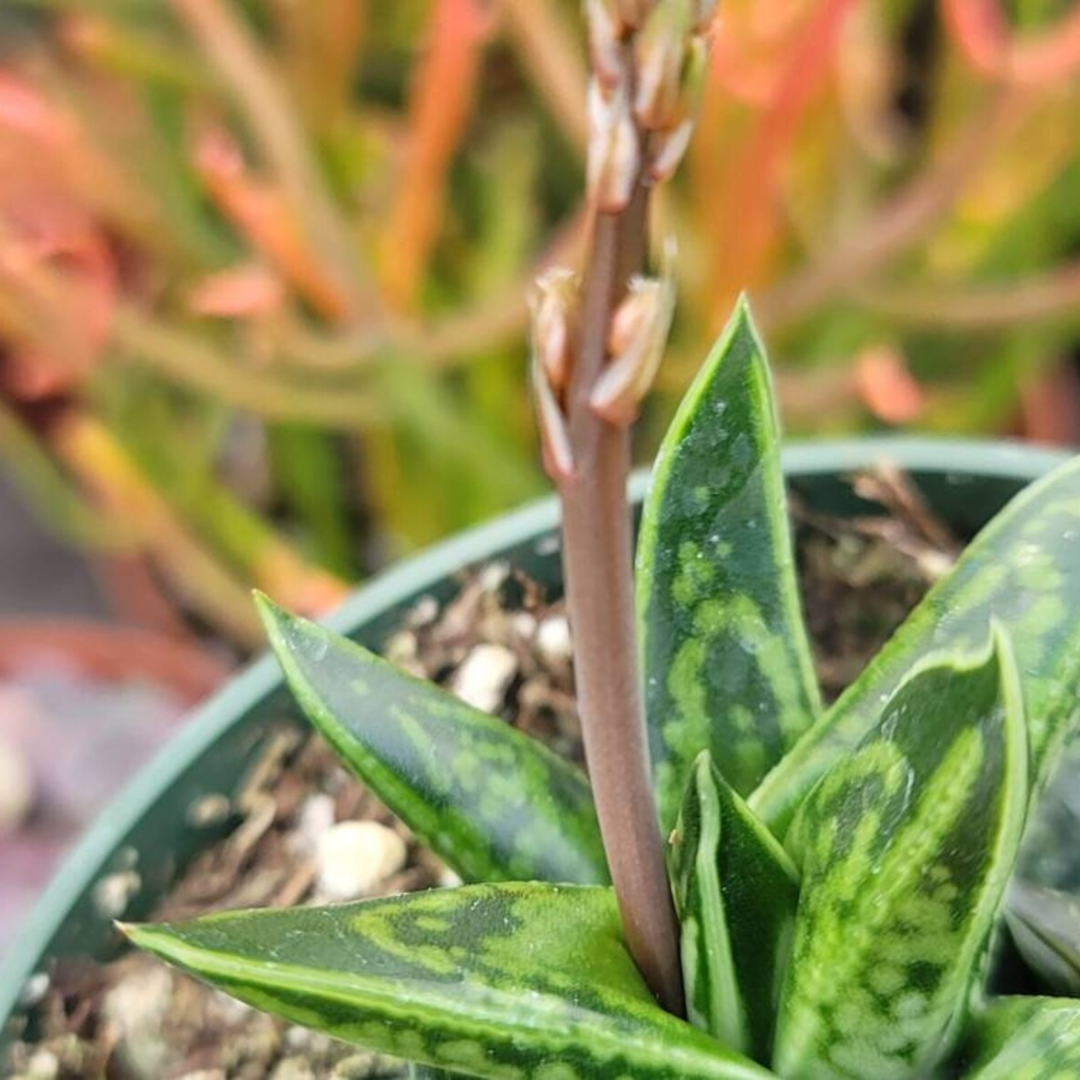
(553, 639)
(448, 879)
(293, 1068)
(114, 892)
(135, 1010)
(16, 787)
(355, 857)
(43, 1065)
(316, 817)
(484, 675)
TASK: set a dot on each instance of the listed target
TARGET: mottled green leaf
(909, 842)
(727, 662)
(494, 804)
(1045, 925)
(1024, 1038)
(736, 892)
(507, 980)
(1024, 570)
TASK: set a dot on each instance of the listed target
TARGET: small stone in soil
(355, 857)
(136, 1011)
(113, 893)
(482, 679)
(44, 1065)
(553, 640)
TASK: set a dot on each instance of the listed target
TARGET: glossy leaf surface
(1024, 570)
(494, 804)
(909, 842)
(736, 892)
(505, 980)
(1025, 1038)
(726, 658)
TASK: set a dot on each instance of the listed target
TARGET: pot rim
(977, 458)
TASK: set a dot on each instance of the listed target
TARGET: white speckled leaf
(493, 803)
(1023, 570)
(909, 842)
(501, 981)
(727, 660)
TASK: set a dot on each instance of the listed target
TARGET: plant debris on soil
(311, 833)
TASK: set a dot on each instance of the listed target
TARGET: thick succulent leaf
(1024, 1038)
(909, 843)
(494, 804)
(1024, 570)
(724, 648)
(736, 892)
(1045, 925)
(504, 980)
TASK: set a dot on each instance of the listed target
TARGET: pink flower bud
(614, 155)
(636, 341)
(604, 43)
(666, 150)
(555, 447)
(661, 56)
(552, 302)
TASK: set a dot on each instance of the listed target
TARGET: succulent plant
(840, 874)
(833, 894)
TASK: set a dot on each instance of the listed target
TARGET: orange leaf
(886, 386)
(439, 105)
(983, 35)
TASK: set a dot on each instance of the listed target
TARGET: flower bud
(552, 302)
(661, 51)
(666, 150)
(614, 154)
(555, 447)
(636, 341)
(604, 43)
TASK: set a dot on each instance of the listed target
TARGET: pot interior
(180, 803)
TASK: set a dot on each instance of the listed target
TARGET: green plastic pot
(150, 830)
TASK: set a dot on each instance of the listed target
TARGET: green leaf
(736, 892)
(726, 658)
(1024, 1038)
(1024, 570)
(494, 804)
(910, 840)
(506, 980)
(1045, 925)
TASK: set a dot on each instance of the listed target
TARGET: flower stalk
(596, 348)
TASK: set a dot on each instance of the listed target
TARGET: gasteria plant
(835, 883)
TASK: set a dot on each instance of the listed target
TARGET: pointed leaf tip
(1022, 570)
(726, 655)
(493, 803)
(489, 980)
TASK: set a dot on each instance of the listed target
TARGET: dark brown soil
(136, 1019)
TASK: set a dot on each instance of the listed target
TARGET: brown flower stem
(597, 560)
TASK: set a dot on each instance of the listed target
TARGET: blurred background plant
(263, 265)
